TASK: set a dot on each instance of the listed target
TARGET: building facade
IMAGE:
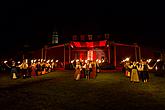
(92, 47)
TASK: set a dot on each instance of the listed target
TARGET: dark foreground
(58, 91)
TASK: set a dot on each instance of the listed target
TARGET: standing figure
(33, 73)
(88, 69)
(83, 69)
(38, 69)
(77, 71)
(24, 67)
(93, 72)
(134, 72)
(18, 69)
(13, 70)
(127, 69)
(43, 66)
(145, 68)
(97, 67)
(52, 66)
(140, 70)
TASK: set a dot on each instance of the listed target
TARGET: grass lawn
(59, 91)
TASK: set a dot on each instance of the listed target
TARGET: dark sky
(30, 22)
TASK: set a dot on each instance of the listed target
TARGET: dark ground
(58, 91)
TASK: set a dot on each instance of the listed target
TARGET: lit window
(106, 36)
(82, 37)
(74, 37)
(89, 37)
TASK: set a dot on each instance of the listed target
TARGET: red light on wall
(90, 55)
(81, 55)
(89, 44)
(82, 37)
(77, 44)
(102, 43)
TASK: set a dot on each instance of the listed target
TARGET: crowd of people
(86, 69)
(26, 69)
(83, 69)
(137, 71)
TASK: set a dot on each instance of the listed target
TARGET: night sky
(30, 22)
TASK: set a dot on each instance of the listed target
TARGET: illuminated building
(93, 47)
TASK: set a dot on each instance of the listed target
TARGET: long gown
(134, 74)
(33, 70)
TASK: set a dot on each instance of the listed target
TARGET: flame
(158, 60)
(26, 60)
(149, 60)
(156, 68)
(5, 61)
(77, 60)
(72, 61)
(127, 59)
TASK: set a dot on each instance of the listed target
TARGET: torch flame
(5, 61)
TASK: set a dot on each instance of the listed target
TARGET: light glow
(5, 61)
(149, 60)
(156, 68)
(158, 60)
(72, 61)
(77, 60)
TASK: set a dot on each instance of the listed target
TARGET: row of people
(85, 70)
(26, 70)
(138, 71)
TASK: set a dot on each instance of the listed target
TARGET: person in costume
(43, 65)
(145, 69)
(33, 73)
(88, 69)
(77, 71)
(24, 68)
(134, 72)
(97, 67)
(83, 69)
(127, 69)
(93, 72)
(38, 68)
(52, 66)
(14, 70)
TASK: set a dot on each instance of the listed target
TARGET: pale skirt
(77, 74)
(134, 75)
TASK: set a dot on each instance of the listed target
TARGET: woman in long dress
(77, 71)
(134, 72)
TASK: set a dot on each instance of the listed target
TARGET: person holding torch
(145, 70)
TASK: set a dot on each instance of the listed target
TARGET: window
(82, 37)
(74, 37)
(106, 36)
(89, 37)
